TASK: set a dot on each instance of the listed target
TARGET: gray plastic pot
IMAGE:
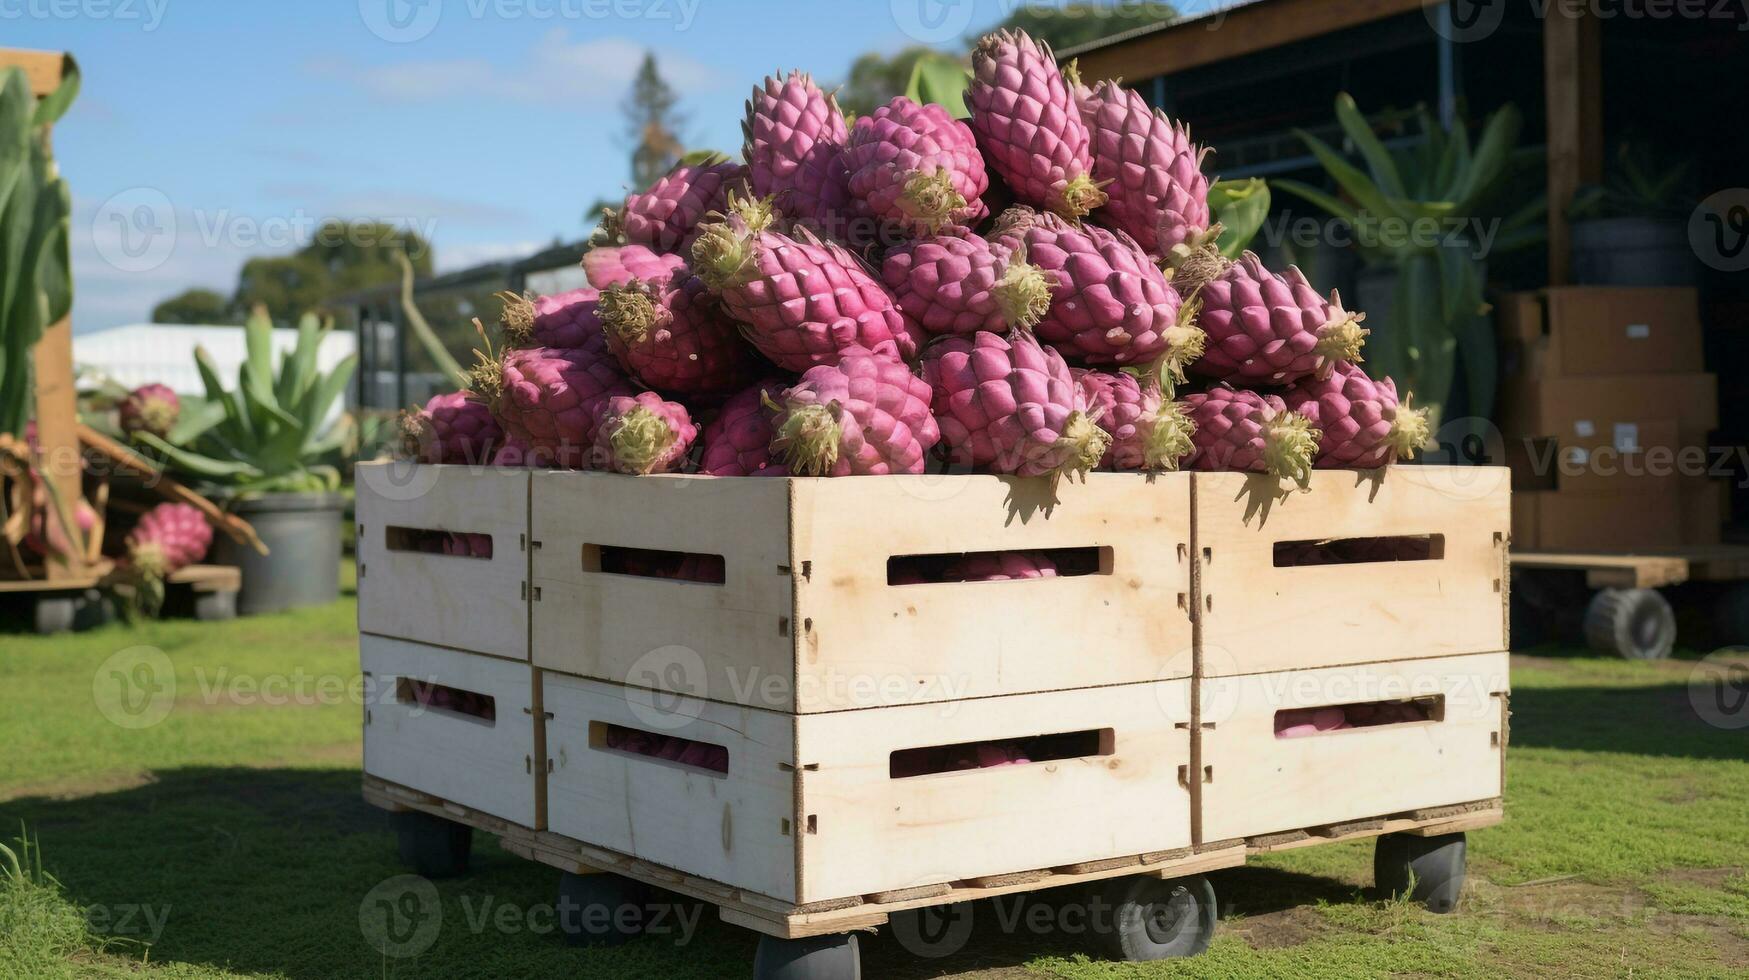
(302, 566)
(1633, 252)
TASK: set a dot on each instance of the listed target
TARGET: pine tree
(652, 124)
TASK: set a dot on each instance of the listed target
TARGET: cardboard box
(1563, 521)
(1580, 331)
(1584, 408)
(1626, 457)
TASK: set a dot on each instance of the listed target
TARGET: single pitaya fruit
(1150, 170)
(794, 137)
(1265, 329)
(569, 319)
(865, 415)
(957, 283)
(549, 399)
(150, 408)
(1245, 431)
(456, 427)
(1110, 304)
(738, 441)
(168, 538)
(802, 301)
(467, 545)
(1363, 425)
(672, 335)
(666, 217)
(1001, 566)
(616, 265)
(1147, 431)
(916, 167)
(1010, 405)
(642, 434)
(1029, 126)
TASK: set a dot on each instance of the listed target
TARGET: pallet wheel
(1158, 918)
(432, 846)
(56, 614)
(212, 607)
(1429, 870)
(1637, 624)
(601, 909)
(814, 958)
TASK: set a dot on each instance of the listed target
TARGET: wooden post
(1573, 83)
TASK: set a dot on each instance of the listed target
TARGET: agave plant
(270, 433)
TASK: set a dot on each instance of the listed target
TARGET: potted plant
(1632, 230)
(259, 449)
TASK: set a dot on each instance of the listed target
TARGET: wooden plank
(477, 604)
(208, 578)
(1611, 571)
(1573, 90)
(42, 68)
(57, 434)
(86, 581)
(1257, 617)
(236, 528)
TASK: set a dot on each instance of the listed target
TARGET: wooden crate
(487, 765)
(805, 620)
(477, 604)
(1256, 783)
(810, 811)
(1260, 613)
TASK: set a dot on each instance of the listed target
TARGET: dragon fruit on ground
(1001, 566)
(916, 167)
(642, 434)
(1150, 171)
(666, 217)
(738, 441)
(616, 265)
(452, 428)
(1245, 431)
(794, 136)
(1029, 126)
(568, 320)
(673, 336)
(958, 282)
(150, 408)
(549, 399)
(1363, 424)
(1011, 406)
(1147, 431)
(866, 415)
(1265, 329)
(168, 538)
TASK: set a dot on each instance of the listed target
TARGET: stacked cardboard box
(1606, 413)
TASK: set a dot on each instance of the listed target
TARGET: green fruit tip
(641, 439)
(1079, 197)
(1411, 430)
(516, 319)
(628, 312)
(1023, 292)
(149, 561)
(415, 430)
(1342, 338)
(931, 199)
(1289, 446)
(722, 255)
(1169, 438)
(1086, 443)
(809, 437)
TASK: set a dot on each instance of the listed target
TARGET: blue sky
(213, 130)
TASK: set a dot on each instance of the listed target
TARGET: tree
(652, 124)
(1066, 25)
(875, 80)
(196, 306)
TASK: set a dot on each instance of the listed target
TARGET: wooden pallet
(1649, 569)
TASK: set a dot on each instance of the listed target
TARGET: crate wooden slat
(476, 604)
(1257, 617)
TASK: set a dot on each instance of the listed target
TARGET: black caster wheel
(1429, 870)
(1637, 624)
(602, 909)
(1155, 918)
(211, 607)
(56, 614)
(814, 958)
(432, 846)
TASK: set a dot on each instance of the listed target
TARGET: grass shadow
(1655, 720)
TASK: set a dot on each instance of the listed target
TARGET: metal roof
(1207, 10)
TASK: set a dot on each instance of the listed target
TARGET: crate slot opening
(1360, 551)
(431, 541)
(1304, 722)
(432, 696)
(671, 566)
(929, 760)
(1022, 565)
(655, 746)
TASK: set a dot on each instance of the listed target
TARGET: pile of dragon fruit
(1033, 291)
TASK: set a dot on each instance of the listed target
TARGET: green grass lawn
(229, 839)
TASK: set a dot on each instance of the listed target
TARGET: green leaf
(1481, 359)
(321, 397)
(1378, 159)
(1493, 150)
(1460, 284)
(1354, 183)
(55, 104)
(195, 420)
(1241, 206)
(295, 372)
(703, 158)
(202, 466)
(942, 80)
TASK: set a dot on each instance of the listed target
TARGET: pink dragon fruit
(616, 265)
(467, 545)
(672, 335)
(957, 283)
(1110, 303)
(168, 538)
(452, 428)
(642, 434)
(1029, 127)
(549, 399)
(1001, 566)
(916, 167)
(1245, 431)
(514, 454)
(568, 320)
(48, 537)
(1147, 431)
(1363, 425)
(865, 415)
(1265, 329)
(801, 301)
(150, 408)
(1011, 406)
(794, 137)
(738, 441)
(1150, 171)
(666, 217)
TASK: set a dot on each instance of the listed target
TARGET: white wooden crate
(805, 620)
(1259, 614)
(462, 602)
(809, 809)
(487, 765)
(1257, 783)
